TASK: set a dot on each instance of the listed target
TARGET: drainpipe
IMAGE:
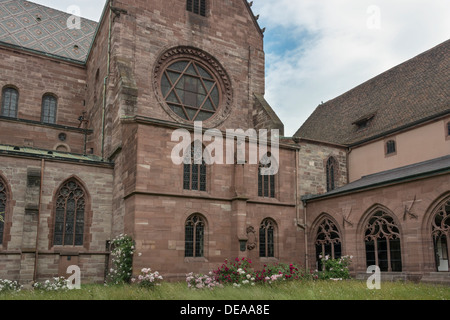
(38, 222)
(105, 80)
(306, 237)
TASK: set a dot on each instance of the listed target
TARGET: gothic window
(194, 169)
(328, 242)
(331, 173)
(267, 238)
(196, 6)
(3, 200)
(382, 242)
(190, 90)
(266, 182)
(194, 236)
(390, 147)
(10, 100)
(69, 215)
(49, 105)
(441, 235)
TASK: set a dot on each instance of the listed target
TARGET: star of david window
(190, 90)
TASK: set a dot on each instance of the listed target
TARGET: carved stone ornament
(251, 235)
(207, 62)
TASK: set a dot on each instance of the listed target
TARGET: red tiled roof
(410, 93)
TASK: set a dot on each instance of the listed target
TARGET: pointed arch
(327, 238)
(381, 234)
(71, 218)
(194, 232)
(5, 208)
(267, 238)
(438, 230)
(331, 166)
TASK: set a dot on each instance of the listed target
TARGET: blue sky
(317, 50)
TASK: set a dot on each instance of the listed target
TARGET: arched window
(266, 182)
(196, 6)
(390, 147)
(382, 241)
(10, 101)
(69, 214)
(3, 201)
(49, 105)
(328, 241)
(331, 168)
(194, 169)
(194, 236)
(267, 238)
(441, 236)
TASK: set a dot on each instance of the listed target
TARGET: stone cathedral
(88, 112)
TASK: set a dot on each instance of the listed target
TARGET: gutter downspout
(38, 221)
(105, 80)
(306, 237)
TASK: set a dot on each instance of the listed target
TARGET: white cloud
(343, 48)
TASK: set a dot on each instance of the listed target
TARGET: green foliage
(233, 272)
(56, 284)
(336, 269)
(9, 286)
(122, 260)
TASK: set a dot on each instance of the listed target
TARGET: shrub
(234, 272)
(148, 279)
(9, 286)
(122, 260)
(282, 271)
(56, 284)
(200, 281)
(335, 268)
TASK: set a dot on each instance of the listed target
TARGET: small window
(194, 236)
(448, 129)
(196, 6)
(331, 168)
(266, 182)
(10, 100)
(49, 105)
(390, 147)
(267, 238)
(194, 169)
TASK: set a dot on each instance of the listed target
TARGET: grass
(292, 290)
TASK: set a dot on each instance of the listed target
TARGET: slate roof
(34, 27)
(427, 168)
(410, 93)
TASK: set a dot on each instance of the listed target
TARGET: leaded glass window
(194, 236)
(10, 101)
(194, 169)
(267, 238)
(3, 199)
(49, 105)
(196, 6)
(190, 90)
(266, 182)
(331, 170)
(382, 241)
(69, 215)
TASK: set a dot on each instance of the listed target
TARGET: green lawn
(292, 290)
